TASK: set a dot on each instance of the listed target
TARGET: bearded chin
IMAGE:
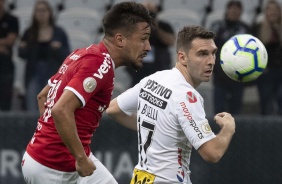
(135, 66)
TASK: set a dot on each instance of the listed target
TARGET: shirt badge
(191, 97)
(89, 84)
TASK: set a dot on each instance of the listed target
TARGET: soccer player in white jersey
(170, 113)
(72, 103)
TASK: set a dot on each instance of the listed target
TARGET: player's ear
(181, 57)
(119, 40)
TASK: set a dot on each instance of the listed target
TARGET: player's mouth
(208, 72)
(143, 55)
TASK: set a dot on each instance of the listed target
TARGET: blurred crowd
(43, 45)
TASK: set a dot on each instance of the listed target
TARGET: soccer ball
(243, 58)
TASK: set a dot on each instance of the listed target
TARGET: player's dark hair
(124, 17)
(187, 34)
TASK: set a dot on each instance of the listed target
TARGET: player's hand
(226, 120)
(85, 167)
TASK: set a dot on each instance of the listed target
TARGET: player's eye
(203, 53)
(145, 38)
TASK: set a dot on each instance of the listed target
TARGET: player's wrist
(230, 129)
(80, 158)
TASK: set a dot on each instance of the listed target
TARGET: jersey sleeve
(191, 117)
(128, 101)
(84, 84)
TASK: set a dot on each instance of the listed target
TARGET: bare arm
(118, 115)
(42, 98)
(63, 114)
(213, 150)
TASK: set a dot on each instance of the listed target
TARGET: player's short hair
(188, 33)
(124, 16)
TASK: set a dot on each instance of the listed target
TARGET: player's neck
(188, 78)
(112, 51)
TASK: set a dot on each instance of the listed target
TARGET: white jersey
(171, 119)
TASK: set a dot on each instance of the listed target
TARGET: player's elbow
(209, 154)
(40, 96)
(58, 112)
(109, 111)
(212, 158)
(113, 110)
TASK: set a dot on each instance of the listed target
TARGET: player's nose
(147, 46)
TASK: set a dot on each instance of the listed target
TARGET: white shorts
(36, 173)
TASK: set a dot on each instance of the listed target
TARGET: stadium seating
(24, 14)
(219, 6)
(84, 19)
(22, 3)
(96, 5)
(79, 39)
(179, 18)
(219, 15)
(197, 6)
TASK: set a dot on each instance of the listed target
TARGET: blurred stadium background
(254, 156)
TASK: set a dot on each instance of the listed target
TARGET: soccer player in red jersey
(72, 103)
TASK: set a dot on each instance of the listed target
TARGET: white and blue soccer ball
(243, 57)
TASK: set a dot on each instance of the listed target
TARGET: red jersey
(89, 74)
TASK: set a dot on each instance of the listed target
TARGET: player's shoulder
(169, 78)
(93, 52)
(162, 73)
(190, 98)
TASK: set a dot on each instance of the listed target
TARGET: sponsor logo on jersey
(180, 171)
(179, 151)
(191, 97)
(63, 69)
(105, 66)
(206, 127)
(180, 174)
(158, 89)
(89, 84)
(142, 177)
(150, 112)
(188, 115)
(102, 108)
(74, 57)
(23, 161)
(152, 99)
